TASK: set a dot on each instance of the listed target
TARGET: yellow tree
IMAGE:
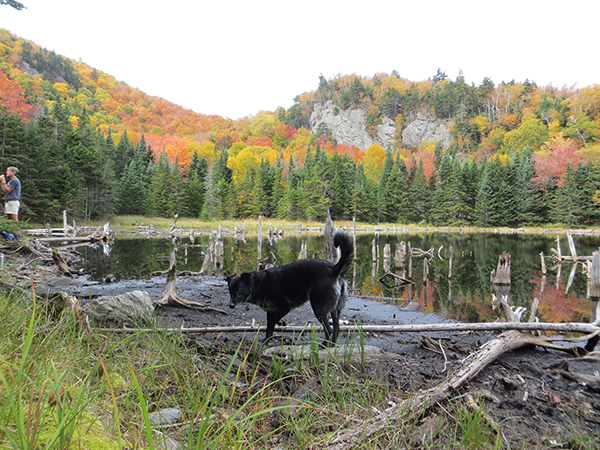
(240, 163)
(373, 162)
(532, 133)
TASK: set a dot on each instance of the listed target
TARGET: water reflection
(449, 273)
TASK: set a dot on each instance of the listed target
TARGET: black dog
(278, 290)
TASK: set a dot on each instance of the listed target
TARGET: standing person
(12, 195)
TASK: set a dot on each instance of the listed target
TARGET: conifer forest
(520, 154)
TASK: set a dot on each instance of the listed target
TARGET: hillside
(112, 147)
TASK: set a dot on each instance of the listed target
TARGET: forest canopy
(520, 154)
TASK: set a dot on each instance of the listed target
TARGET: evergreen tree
(221, 202)
(263, 188)
(194, 187)
(526, 197)
(289, 206)
(586, 184)
(341, 177)
(396, 200)
(162, 199)
(193, 196)
(572, 200)
(502, 202)
(485, 209)
(386, 171)
(364, 196)
(420, 195)
(470, 175)
(278, 187)
(448, 203)
(123, 154)
(177, 187)
(251, 191)
(132, 193)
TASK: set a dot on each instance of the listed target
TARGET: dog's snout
(231, 304)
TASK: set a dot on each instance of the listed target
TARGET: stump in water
(330, 250)
(500, 277)
(400, 255)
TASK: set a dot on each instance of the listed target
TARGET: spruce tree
(386, 171)
(420, 195)
(162, 200)
(485, 209)
(526, 197)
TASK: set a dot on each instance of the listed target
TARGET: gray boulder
(131, 308)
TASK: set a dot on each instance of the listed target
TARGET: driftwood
(590, 329)
(213, 259)
(559, 257)
(61, 265)
(170, 297)
(398, 281)
(415, 405)
(417, 252)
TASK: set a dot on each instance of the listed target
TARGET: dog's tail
(342, 240)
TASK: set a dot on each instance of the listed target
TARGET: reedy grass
(229, 397)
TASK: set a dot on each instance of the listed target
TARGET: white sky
(235, 58)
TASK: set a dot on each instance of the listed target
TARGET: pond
(465, 296)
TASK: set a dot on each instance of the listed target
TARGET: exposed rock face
(425, 129)
(349, 127)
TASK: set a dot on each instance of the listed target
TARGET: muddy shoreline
(539, 397)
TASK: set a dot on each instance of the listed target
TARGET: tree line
(79, 169)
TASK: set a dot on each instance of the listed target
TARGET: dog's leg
(273, 317)
(326, 329)
(335, 317)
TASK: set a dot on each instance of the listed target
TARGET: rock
(386, 131)
(165, 416)
(426, 129)
(110, 278)
(133, 307)
(304, 395)
(347, 126)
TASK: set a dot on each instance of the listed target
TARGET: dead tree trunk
(330, 250)
(62, 267)
(500, 277)
(170, 297)
(421, 401)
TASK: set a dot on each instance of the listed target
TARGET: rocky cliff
(349, 127)
(426, 129)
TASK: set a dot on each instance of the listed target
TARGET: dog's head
(240, 288)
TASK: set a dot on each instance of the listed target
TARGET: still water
(465, 296)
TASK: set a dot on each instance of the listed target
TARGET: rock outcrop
(424, 129)
(349, 127)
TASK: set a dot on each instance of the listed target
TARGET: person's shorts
(12, 207)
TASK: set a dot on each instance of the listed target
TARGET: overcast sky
(237, 58)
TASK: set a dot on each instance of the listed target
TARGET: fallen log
(417, 404)
(569, 327)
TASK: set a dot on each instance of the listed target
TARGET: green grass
(63, 386)
(251, 225)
